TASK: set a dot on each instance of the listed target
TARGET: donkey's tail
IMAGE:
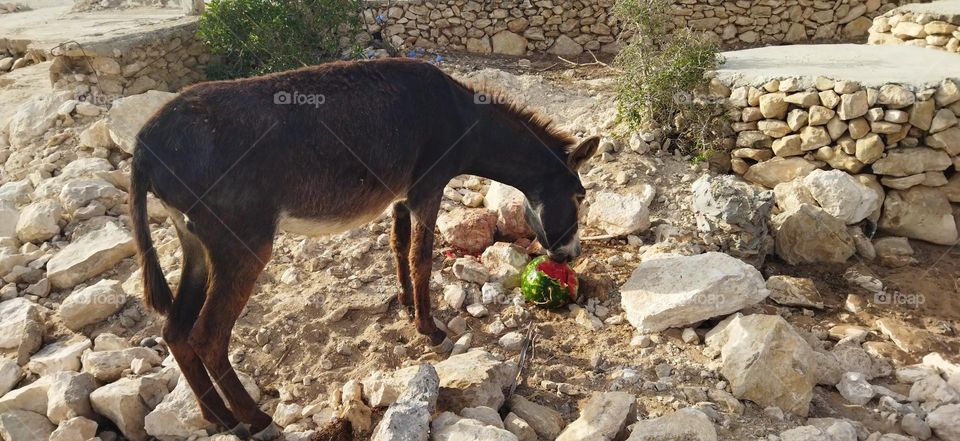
(156, 292)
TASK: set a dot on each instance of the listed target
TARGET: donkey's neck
(515, 152)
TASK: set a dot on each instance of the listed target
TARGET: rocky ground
(691, 323)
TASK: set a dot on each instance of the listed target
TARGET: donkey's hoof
(240, 431)
(272, 432)
(445, 347)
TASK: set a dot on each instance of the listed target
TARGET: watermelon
(547, 283)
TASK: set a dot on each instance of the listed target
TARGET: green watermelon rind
(540, 289)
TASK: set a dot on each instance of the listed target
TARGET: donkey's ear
(582, 152)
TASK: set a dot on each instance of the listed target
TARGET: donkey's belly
(324, 226)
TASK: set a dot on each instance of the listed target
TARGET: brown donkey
(316, 151)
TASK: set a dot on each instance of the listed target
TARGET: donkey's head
(552, 210)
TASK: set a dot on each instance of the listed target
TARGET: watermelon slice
(547, 283)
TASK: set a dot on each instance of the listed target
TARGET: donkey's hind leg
(400, 242)
(235, 269)
(191, 293)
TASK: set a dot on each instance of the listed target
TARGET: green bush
(663, 81)
(254, 37)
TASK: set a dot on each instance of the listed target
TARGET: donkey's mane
(540, 124)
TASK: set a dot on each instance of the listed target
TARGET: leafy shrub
(254, 37)
(663, 82)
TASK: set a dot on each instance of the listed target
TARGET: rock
(449, 427)
(841, 195)
(109, 342)
(97, 135)
(948, 140)
(814, 137)
(468, 229)
(508, 202)
(108, 366)
(545, 421)
(774, 105)
(894, 251)
(512, 341)
(919, 213)
(39, 221)
(794, 291)
(9, 216)
(945, 422)
(69, 396)
(483, 414)
(911, 161)
(468, 269)
(915, 426)
(519, 428)
(947, 94)
(686, 424)
(853, 105)
(90, 255)
(23, 425)
(790, 195)
(506, 42)
(125, 402)
(177, 416)
(75, 429)
(128, 115)
(59, 356)
(807, 234)
(475, 378)
(34, 117)
(944, 119)
(78, 193)
(679, 290)
(605, 417)
(454, 295)
(564, 46)
(32, 397)
(618, 214)
(479, 45)
(895, 96)
(854, 388)
(778, 170)
(765, 361)
(734, 212)
(408, 419)
(92, 304)
(10, 375)
(908, 338)
(21, 328)
(505, 261)
(869, 148)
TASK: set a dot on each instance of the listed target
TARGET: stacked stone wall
(924, 29)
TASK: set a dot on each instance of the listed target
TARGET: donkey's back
(336, 142)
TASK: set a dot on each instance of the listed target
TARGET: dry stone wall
(569, 27)
(902, 143)
(924, 27)
(164, 60)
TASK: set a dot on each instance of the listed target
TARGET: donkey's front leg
(421, 262)
(400, 242)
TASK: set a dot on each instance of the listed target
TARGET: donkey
(316, 151)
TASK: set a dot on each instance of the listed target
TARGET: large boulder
(618, 214)
(766, 361)
(21, 327)
(24, 425)
(919, 213)
(687, 424)
(735, 213)
(59, 356)
(126, 403)
(90, 255)
(475, 378)
(128, 115)
(604, 418)
(674, 290)
(468, 229)
(807, 234)
(92, 304)
(34, 117)
(841, 195)
(508, 43)
(39, 221)
(408, 419)
(508, 202)
(945, 422)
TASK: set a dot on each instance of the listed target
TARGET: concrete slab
(942, 7)
(49, 27)
(871, 66)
